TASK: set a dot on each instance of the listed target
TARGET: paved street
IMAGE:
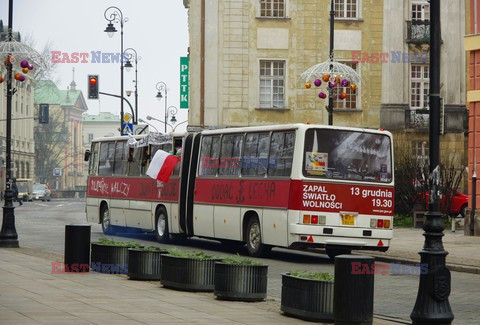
(41, 226)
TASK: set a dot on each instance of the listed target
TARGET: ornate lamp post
(335, 75)
(130, 54)
(12, 51)
(162, 88)
(115, 15)
(432, 306)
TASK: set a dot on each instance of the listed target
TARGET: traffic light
(43, 114)
(93, 86)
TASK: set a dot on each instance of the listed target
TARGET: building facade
(22, 140)
(59, 144)
(472, 46)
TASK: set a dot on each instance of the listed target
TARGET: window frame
(344, 4)
(349, 92)
(423, 80)
(272, 5)
(271, 79)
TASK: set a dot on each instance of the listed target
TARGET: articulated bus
(295, 185)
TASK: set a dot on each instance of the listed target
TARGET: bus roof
(278, 127)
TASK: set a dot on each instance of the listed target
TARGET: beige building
(247, 56)
(22, 140)
(59, 144)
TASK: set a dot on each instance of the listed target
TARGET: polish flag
(162, 165)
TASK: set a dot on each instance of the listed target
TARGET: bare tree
(48, 72)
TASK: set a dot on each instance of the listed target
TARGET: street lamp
(130, 54)
(143, 121)
(162, 87)
(173, 120)
(116, 16)
(432, 306)
(172, 110)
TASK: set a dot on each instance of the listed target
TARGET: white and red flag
(162, 165)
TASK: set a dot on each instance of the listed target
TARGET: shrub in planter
(308, 295)
(188, 271)
(145, 263)
(109, 256)
(239, 278)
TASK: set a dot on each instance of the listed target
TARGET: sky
(157, 30)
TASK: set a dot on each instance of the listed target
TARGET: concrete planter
(109, 259)
(188, 274)
(240, 282)
(144, 264)
(307, 299)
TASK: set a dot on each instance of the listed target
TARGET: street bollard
(453, 224)
(77, 248)
(353, 293)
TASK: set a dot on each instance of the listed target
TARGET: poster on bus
(316, 163)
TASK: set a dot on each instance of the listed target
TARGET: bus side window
(121, 158)
(209, 155)
(255, 158)
(93, 162)
(281, 153)
(107, 150)
(230, 154)
(135, 160)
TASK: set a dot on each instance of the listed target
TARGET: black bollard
(353, 293)
(77, 248)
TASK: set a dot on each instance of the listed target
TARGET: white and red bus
(292, 185)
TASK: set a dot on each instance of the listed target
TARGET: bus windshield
(347, 155)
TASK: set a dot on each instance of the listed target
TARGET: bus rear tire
(161, 226)
(333, 252)
(106, 221)
(255, 246)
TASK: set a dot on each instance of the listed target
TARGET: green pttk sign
(184, 69)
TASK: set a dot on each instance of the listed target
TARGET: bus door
(192, 171)
(186, 156)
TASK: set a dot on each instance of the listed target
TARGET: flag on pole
(162, 165)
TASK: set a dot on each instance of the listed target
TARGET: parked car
(458, 203)
(41, 192)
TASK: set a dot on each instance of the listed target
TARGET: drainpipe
(202, 66)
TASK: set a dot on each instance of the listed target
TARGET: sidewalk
(30, 294)
(464, 251)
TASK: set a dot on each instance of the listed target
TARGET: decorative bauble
(1, 79)
(337, 79)
(345, 83)
(17, 76)
(353, 87)
(332, 84)
(326, 77)
(322, 95)
(24, 64)
(308, 85)
(342, 96)
(9, 59)
(25, 70)
(30, 67)
(21, 78)
(317, 82)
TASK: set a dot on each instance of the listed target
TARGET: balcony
(418, 31)
(417, 119)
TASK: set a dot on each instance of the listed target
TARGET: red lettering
(65, 58)
(375, 57)
(366, 269)
(384, 268)
(84, 56)
(384, 57)
(365, 58)
(55, 57)
(56, 268)
(74, 268)
(84, 268)
(75, 57)
(356, 56)
(356, 268)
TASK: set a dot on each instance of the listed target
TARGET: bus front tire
(255, 246)
(333, 252)
(161, 226)
(106, 221)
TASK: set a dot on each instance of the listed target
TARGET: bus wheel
(106, 224)
(332, 252)
(161, 226)
(254, 239)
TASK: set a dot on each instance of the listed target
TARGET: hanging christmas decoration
(322, 95)
(317, 82)
(1, 79)
(25, 70)
(308, 85)
(342, 96)
(24, 64)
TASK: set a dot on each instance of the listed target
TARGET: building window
(27, 167)
(420, 10)
(421, 151)
(351, 101)
(272, 8)
(420, 85)
(272, 84)
(347, 9)
(90, 137)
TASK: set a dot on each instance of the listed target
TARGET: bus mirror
(87, 155)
